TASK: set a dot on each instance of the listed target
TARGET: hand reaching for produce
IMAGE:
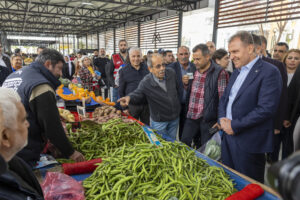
(124, 101)
(77, 157)
(126, 112)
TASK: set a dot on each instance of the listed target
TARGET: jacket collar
(54, 82)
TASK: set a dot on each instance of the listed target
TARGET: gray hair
(8, 100)
(149, 59)
(244, 36)
(82, 59)
(183, 47)
(132, 49)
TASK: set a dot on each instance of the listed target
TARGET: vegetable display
(145, 171)
(105, 113)
(66, 115)
(101, 140)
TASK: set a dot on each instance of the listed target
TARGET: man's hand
(185, 80)
(286, 123)
(276, 131)
(124, 101)
(226, 126)
(77, 157)
(126, 112)
(216, 125)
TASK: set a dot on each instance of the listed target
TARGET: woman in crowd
(291, 61)
(221, 58)
(88, 77)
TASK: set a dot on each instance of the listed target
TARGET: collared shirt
(196, 104)
(161, 83)
(2, 63)
(244, 71)
(184, 72)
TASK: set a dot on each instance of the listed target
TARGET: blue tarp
(67, 91)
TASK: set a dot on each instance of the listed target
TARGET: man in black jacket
(68, 69)
(4, 60)
(36, 85)
(184, 70)
(129, 78)
(203, 94)
(281, 110)
(17, 181)
(161, 91)
(100, 63)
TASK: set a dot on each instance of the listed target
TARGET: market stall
(120, 143)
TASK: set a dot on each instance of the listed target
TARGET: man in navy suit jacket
(247, 108)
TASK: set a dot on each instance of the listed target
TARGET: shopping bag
(59, 186)
(212, 148)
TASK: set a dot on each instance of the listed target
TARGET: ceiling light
(87, 3)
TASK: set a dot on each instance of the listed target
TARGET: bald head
(211, 47)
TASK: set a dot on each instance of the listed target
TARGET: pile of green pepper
(101, 140)
(145, 171)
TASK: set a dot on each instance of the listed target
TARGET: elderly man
(280, 50)
(161, 91)
(184, 70)
(112, 68)
(247, 108)
(18, 180)
(212, 47)
(16, 62)
(130, 77)
(36, 85)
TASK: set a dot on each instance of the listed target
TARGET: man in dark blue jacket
(129, 78)
(184, 70)
(36, 86)
(247, 108)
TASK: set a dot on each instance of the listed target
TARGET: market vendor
(17, 180)
(161, 91)
(36, 85)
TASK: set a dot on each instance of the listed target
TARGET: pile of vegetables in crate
(145, 171)
(105, 113)
(101, 140)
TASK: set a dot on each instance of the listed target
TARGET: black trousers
(250, 164)
(140, 112)
(197, 130)
(285, 137)
(182, 118)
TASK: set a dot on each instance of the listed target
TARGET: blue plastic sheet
(67, 91)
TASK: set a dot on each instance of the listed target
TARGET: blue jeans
(114, 94)
(168, 128)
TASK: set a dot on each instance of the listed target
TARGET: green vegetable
(145, 171)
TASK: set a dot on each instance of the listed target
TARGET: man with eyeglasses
(5, 66)
(161, 91)
(280, 50)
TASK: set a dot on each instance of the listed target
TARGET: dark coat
(254, 107)
(65, 71)
(19, 182)
(4, 72)
(293, 110)
(177, 68)
(7, 63)
(282, 108)
(164, 105)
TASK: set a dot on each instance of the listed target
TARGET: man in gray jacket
(161, 91)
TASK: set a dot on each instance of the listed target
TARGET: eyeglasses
(160, 66)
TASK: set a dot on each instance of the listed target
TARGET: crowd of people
(252, 97)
